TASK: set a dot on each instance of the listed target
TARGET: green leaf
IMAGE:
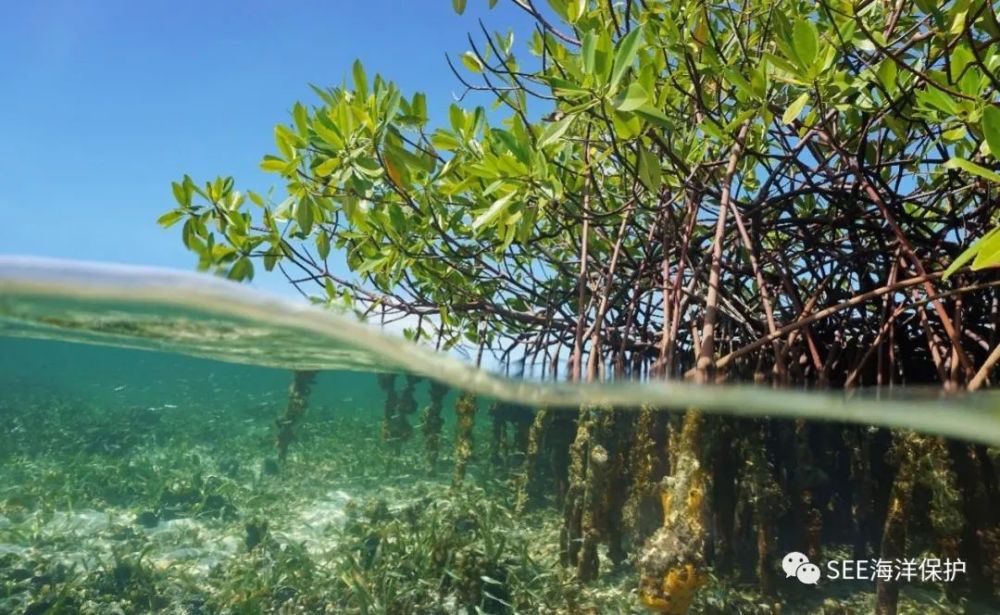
(458, 5)
(933, 97)
(737, 79)
(955, 134)
(887, 73)
(649, 170)
(329, 135)
(782, 70)
(989, 251)
(991, 129)
(304, 215)
(326, 167)
(360, 80)
(323, 244)
(806, 39)
(170, 218)
(624, 55)
(552, 132)
(588, 51)
(286, 140)
(420, 107)
(652, 114)
(495, 211)
(372, 263)
(442, 139)
(301, 116)
(794, 109)
(472, 62)
(564, 87)
(241, 270)
(182, 196)
(575, 9)
(632, 98)
(457, 118)
(273, 164)
(257, 199)
(972, 252)
(971, 167)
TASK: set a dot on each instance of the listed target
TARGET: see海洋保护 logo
(927, 570)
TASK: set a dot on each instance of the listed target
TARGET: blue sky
(107, 101)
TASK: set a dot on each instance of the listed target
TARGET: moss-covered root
(596, 495)
(672, 565)
(907, 450)
(528, 490)
(465, 413)
(298, 399)
(433, 423)
(498, 435)
(395, 427)
(586, 506)
(640, 515)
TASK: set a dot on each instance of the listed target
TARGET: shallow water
(206, 317)
(137, 450)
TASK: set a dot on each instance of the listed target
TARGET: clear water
(209, 318)
(138, 470)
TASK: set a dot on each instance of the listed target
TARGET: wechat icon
(797, 565)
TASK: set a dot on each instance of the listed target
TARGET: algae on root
(432, 424)
(465, 411)
(298, 399)
(672, 565)
(395, 427)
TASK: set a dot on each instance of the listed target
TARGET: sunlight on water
(207, 317)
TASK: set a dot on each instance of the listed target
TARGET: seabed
(183, 507)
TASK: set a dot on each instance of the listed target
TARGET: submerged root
(640, 512)
(528, 482)
(587, 499)
(498, 435)
(763, 495)
(395, 427)
(509, 435)
(465, 412)
(433, 423)
(298, 399)
(407, 396)
(672, 565)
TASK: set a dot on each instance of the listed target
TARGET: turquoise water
(139, 412)
(206, 317)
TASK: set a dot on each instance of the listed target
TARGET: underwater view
(178, 444)
(620, 306)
